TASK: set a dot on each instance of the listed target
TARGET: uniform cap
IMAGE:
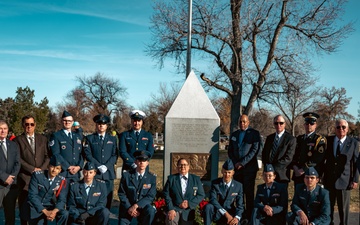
(311, 171)
(137, 114)
(65, 114)
(76, 123)
(54, 161)
(101, 118)
(142, 155)
(89, 166)
(310, 116)
(228, 165)
(269, 168)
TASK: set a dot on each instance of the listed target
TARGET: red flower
(159, 203)
(202, 204)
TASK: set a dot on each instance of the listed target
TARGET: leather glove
(84, 216)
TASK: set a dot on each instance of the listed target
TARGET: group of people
(324, 171)
(70, 178)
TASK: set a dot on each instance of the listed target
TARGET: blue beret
(228, 165)
(101, 118)
(311, 171)
(142, 155)
(65, 114)
(89, 166)
(54, 161)
(269, 168)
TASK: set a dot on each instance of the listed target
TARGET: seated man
(311, 203)
(182, 192)
(137, 191)
(270, 201)
(87, 199)
(47, 196)
(226, 198)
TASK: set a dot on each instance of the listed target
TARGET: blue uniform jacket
(68, 151)
(79, 202)
(43, 195)
(10, 165)
(173, 195)
(129, 143)
(231, 201)
(131, 191)
(278, 201)
(102, 155)
(317, 208)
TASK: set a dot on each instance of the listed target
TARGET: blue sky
(45, 44)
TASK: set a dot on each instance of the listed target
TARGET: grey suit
(344, 171)
(8, 193)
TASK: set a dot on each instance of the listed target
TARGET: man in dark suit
(67, 147)
(310, 204)
(244, 146)
(47, 196)
(134, 140)
(33, 156)
(310, 149)
(182, 192)
(342, 175)
(279, 150)
(101, 149)
(9, 169)
(270, 201)
(87, 199)
(137, 191)
(226, 198)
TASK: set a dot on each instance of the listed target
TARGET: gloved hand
(103, 168)
(84, 216)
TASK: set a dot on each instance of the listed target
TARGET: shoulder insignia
(72, 183)
(152, 174)
(125, 171)
(101, 181)
(51, 143)
(61, 177)
(39, 172)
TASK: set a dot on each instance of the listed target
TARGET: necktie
(87, 189)
(183, 184)
(308, 197)
(50, 181)
(139, 177)
(2, 145)
(69, 134)
(137, 134)
(32, 144)
(101, 140)
(268, 191)
(338, 149)
(274, 148)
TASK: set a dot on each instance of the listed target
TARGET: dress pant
(8, 198)
(146, 217)
(342, 197)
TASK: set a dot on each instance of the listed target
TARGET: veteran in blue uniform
(226, 204)
(271, 201)
(137, 191)
(135, 139)
(182, 192)
(47, 196)
(311, 202)
(87, 199)
(310, 149)
(101, 149)
(67, 147)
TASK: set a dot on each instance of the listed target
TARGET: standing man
(182, 192)
(100, 149)
(226, 198)
(310, 149)
(87, 199)
(137, 191)
(47, 196)
(271, 200)
(78, 129)
(310, 204)
(9, 169)
(279, 150)
(342, 175)
(67, 147)
(33, 156)
(243, 149)
(134, 140)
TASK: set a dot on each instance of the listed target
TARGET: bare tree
(333, 105)
(249, 42)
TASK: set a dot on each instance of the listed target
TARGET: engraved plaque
(200, 164)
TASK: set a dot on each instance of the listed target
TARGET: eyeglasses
(29, 124)
(67, 121)
(183, 165)
(279, 123)
(341, 127)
